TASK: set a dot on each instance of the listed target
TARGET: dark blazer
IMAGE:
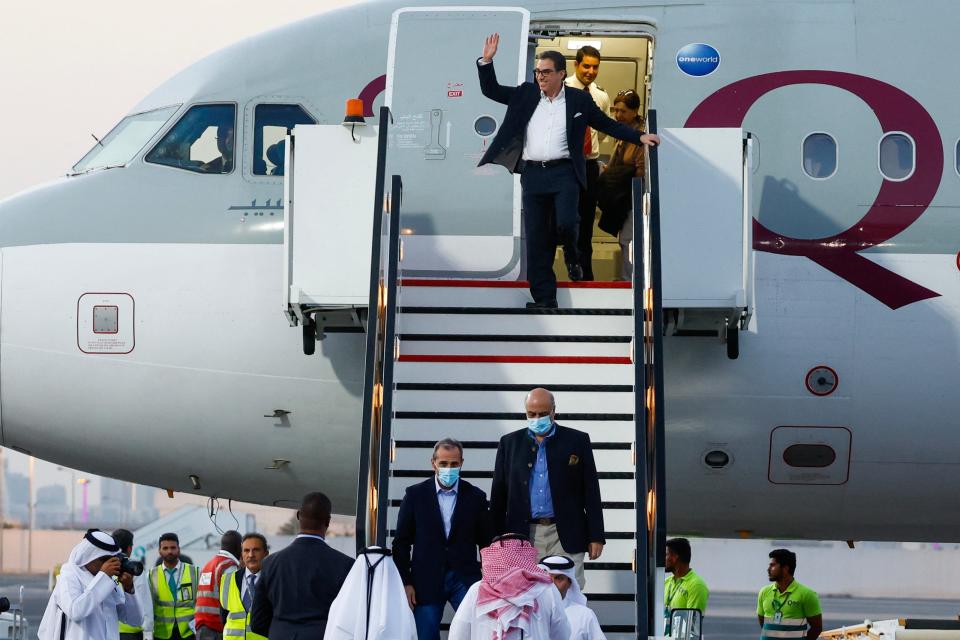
(295, 590)
(573, 485)
(507, 146)
(420, 524)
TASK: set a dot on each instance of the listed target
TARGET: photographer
(92, 594)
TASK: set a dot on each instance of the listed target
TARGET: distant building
(52, 511)
(16, 497)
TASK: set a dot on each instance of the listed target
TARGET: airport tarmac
(731, 616)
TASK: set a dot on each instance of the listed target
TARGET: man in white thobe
(515, 600)
(583, 621)
(372, 603)
(88, 603)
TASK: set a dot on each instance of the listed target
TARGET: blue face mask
(540, 426)
(448, 476)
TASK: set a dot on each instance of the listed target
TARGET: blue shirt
(541, 500)
(448, 502)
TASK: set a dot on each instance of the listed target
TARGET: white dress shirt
(546, 137)
(602, 100)
(246, 581)
(448, 502)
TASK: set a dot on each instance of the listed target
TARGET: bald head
(539, 403)
(314, 513)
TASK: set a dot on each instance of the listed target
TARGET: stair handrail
(380, 304)
(649, 439)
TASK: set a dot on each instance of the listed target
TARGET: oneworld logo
(698, 59)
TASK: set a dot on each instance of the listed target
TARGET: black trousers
(132, 636)
(550, 213)
(588, 213)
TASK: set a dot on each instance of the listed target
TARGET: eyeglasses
(542, 73)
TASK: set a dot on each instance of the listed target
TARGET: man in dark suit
(445, 519)
(297, 585)
(541, 138)
(545, 486)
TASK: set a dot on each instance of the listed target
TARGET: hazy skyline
(71, 69)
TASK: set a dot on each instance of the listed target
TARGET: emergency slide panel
(458, 219)
(704, 221)
(329, 215)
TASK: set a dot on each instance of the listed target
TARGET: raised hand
(490, 47)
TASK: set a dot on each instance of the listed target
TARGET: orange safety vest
(208, 592)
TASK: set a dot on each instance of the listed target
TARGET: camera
(133, 567)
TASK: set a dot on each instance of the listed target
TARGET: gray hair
(447, 443)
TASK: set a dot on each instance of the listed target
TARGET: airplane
(140, 336)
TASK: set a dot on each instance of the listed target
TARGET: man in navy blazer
(297, 585)
(545, 486)
(445, 519)
(541, 138)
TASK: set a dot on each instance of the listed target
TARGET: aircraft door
(457, 219)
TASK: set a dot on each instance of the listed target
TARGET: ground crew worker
(173, 585)
(209, 626)
(684, 589)
(238, 587)
(786, 608)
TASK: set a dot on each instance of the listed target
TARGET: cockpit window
(272, 122)
(124, 141)
(202, 141)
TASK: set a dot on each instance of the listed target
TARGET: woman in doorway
(628, 161)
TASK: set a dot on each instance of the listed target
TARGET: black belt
(544, 164)
(543, 521)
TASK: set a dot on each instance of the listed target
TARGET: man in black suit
(297, 585)
(542, 139)
(545, 486)
(445, 519)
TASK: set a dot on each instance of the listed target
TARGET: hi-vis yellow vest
(169, 610)
(238, 618)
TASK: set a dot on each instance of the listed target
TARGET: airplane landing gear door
(458, 220)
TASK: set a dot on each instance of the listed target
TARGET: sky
(72, 69)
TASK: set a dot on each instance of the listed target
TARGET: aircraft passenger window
(125, 140)
(202, 141)
(819, 156)
(271, 123)
(897, 156)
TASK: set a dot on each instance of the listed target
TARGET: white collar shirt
(310, 535)
(547, 622)
(245, 581)
(602, 100)
(583, 622)
(447, 499)
(546, 135)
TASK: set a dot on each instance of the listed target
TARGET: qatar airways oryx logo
(698, 59)
(897, 205)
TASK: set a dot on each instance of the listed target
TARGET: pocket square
(574, 459)
(577, 114)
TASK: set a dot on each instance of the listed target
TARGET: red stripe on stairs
(517, 359)
(506, 284)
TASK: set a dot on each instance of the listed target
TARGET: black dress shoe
(575, 271)
(549, 304)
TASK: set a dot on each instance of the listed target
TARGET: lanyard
(676, 587)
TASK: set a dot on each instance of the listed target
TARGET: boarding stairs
(468, 353)
(454, 354)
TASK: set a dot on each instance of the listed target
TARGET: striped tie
(248, 596)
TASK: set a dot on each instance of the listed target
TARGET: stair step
(435, 429)
(483, 351)
(614, 519)
(494, 415)
(450, 322)
(479, 444)
(522, 373)
(569, 403)
(410, 460)
(557, 388)
(494, 293)
(621, 485)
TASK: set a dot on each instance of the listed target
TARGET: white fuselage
(216, 385)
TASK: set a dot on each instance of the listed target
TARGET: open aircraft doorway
(626, 64)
